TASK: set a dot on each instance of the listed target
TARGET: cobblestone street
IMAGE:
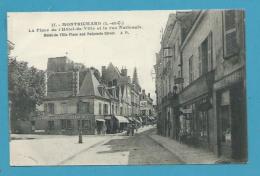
(96, 150)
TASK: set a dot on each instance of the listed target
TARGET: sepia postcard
(127, 87)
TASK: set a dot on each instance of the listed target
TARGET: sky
(133, 48)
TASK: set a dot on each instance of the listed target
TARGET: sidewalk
(50, 151)
(186, 153)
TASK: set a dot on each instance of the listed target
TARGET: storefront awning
(100, 120)
(122, 119)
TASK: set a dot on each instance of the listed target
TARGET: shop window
(225, 124)
(66, 124)
(203, 123)
(230, 33)
(84, 124)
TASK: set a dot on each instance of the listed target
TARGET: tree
(26, 89)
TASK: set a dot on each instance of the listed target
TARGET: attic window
(101, 90)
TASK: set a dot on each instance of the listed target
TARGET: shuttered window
(191, 76)
(205, 55)
(210, 58)
(230, 33)
(200, 61)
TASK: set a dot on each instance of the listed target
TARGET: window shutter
(200, 60)
(230, 33)
(210, 59)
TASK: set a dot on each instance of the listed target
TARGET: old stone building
(75, 99)
(209, 90)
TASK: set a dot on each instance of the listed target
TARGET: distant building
(146, 104)
(75, 100)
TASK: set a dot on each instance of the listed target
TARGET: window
(114, 82)
(99, 108)
(64, 108)
(225, 125)
(45, 108)
(51, 125)
(230, 33)
(83, 107)
(105, 109)
(205, 55)
(169, 84)
(51, 108)
(121, 110)
(191, 76)
(84, 124)
(112, 109)
(203, 123)
(66, 124)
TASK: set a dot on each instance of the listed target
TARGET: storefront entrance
(232, 122)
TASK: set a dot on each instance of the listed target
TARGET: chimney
(149, 95)
(143, 91)
(124, 72)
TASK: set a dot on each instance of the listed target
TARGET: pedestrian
(104, 129)
(133, 129)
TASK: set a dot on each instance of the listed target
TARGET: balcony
(172, 99)
(201, 86)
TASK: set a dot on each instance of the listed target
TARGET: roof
(90, 86)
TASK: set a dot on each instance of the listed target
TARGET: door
(238, 110)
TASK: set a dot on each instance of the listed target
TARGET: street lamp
(80, 133)
(80, 123)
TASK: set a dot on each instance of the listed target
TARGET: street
(99, 150)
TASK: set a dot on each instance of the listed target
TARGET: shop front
(196, 117)
(231, 113)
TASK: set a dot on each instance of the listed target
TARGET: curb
(182, 161)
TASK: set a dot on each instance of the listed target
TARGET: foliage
(26, 88)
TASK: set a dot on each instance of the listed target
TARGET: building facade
(146, 104)
(210, 87)
(75, 100)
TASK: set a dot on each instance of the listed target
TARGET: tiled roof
(90, 86)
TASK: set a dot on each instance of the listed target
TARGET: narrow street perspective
(152, 87)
